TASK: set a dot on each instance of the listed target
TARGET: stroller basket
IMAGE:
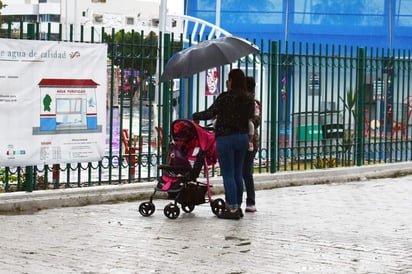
(192, 194)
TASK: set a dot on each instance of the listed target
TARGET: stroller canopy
(193, 135)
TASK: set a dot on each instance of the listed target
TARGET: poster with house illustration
(52, 102)
(68, 106)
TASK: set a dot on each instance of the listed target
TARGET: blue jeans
(248, 177)
(231, 151)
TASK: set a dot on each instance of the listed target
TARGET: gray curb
(44, 199)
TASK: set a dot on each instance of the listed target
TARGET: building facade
(119, 14)
(363, 23)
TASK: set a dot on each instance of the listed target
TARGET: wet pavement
(357, 227)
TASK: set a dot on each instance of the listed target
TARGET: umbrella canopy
(205, 55)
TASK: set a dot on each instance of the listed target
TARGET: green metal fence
(323, 106)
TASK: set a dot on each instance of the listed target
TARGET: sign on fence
(52, 102)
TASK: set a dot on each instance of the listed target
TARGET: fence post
(166, 96)
(360, 106)
(30, 32)
(274, 93)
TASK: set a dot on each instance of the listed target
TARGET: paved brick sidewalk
(362, 227)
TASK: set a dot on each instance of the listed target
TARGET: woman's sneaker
(250, 208)
(228, 214)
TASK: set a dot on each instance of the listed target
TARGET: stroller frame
(191, 150)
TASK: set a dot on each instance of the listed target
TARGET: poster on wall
(52, 102)
(212, 81)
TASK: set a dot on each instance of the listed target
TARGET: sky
(175, 6)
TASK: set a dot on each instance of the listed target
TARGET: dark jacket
(232, 111)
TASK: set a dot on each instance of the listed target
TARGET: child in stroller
(192, 148)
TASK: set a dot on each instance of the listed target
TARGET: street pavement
(351, 227)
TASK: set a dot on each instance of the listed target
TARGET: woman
(232, 110)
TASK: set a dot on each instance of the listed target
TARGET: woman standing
(232, 110)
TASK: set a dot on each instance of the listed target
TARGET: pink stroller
(192, 148)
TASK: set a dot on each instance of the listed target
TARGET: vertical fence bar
(60, 32)
(368, 108)
(143, 79)
(264, 84)
(82, 34)
(296, 108)
(409, 96)
(398, 116)
(21, 31)
(89, 174)
(157, 107)
(9, 31)
(48, 31)
(274, 92)
(68, 169)
(56, 175)
(350, 100)
(360, 105)
(390, 104)
(112, 57)
(282, 106)
(120, 54)
(19, 178)
(166, 96)
(131, 144)
(79, 174)
(6, 178)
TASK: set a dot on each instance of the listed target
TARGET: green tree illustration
(46, 102)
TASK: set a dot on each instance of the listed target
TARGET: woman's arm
(207, 114)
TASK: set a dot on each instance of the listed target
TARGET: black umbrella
(206, 55)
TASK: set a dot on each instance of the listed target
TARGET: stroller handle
(208, 127)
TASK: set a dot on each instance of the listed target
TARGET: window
(69, 106)
(50, 18)
(30, 18)
(378, 89)
(98, 18)
(71, 112)
(340, 13)
(129, 21)
(155, 22)
(403, 14)
(314, 84)
(55, 18)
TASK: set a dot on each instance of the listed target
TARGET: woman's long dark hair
(238, 81)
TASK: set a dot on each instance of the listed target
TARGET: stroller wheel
(218, 206)
(171, 211)
(188, 208)
(147, 209)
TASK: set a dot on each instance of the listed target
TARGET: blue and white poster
(52, 102)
